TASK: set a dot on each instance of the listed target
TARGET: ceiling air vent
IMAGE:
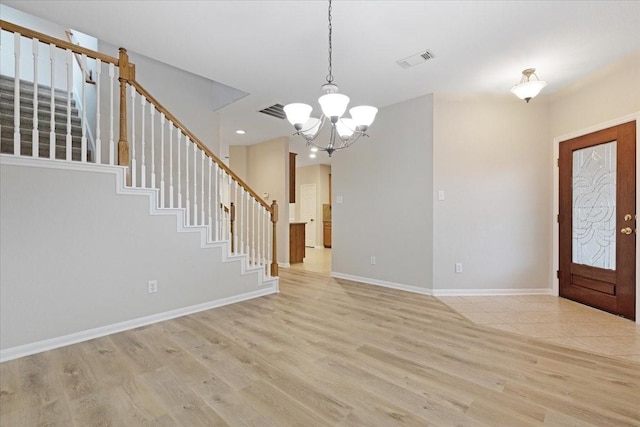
(416, 59)
(275, 111)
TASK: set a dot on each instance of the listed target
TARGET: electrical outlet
(153, 286)
(441, 195)
(373, 260)
(458, 267)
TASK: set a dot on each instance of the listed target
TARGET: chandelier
(527, 88)
(344, 130)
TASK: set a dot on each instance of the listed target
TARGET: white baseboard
(490, 292)
(53, 343)
(284, 264)
(383, 283)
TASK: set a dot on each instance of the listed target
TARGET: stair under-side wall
(7, 114)
(77, 257)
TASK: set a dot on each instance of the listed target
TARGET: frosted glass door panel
(594, 206)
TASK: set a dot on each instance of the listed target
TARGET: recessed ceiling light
(312, 156)
(314, 149)
(241, 132)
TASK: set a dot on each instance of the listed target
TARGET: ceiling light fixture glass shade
(528, 89)
(344, 130)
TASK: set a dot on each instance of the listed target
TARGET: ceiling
(277, 50)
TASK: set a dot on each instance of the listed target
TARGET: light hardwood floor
(323, 352)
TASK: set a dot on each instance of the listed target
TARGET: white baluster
(134, 172)
(209, 192)
(195, 182)
(143, 149)
(16, 96)
(171, 172)
(35, 140)
(152, 111)
(265, 234)
(259, 240)
(246, 224)
(162, 193)
(253, 231)
(52, 124)
(83, 140)
(240, 227)
(69, 141)
(112, 145)
(216, 202)
(228, 199)
(236, 222)
(178, 145)
(186, 183)
(202, 218)
(98, 147)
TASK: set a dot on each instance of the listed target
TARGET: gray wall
(77, 256)
(386, 183)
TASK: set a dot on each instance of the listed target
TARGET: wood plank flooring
(323, 352)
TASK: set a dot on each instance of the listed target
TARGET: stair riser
(6, 147)
(27, 136)
(6, 119)
(7, 83)
(42, 100)
(26, 109)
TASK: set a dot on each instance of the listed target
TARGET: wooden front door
(598, 219)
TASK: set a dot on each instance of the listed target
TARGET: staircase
(102, 261)
(7, 97)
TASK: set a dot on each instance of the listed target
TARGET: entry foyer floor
(548, 318)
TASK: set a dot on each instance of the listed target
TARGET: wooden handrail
(13, 28)
(142, 91)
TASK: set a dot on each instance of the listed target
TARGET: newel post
(126, 72)
(274, 247)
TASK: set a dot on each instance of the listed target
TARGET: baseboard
(490, 292)
(284, 264)
(53, 343)
(383, 283)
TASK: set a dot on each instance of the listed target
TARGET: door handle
(628, 217)
(626, 230)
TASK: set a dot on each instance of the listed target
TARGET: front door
(598, 219)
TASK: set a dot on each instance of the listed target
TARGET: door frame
(556, 202)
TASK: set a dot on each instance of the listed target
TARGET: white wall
(492, 160)
(386, 185)
(77, 256)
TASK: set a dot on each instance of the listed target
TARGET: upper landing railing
(58, 115)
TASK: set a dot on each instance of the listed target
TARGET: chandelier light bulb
(311, 127)
(333, 105)
(297, 114)
(345, 127)
(363, 116)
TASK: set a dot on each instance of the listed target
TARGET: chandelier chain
(330, 75)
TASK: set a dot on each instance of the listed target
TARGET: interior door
(598, 219)
(308, 209)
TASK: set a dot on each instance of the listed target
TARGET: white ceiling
(277, 50)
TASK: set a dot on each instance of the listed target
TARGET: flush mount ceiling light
(344, 130)
(527, 88)
(240, 132)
